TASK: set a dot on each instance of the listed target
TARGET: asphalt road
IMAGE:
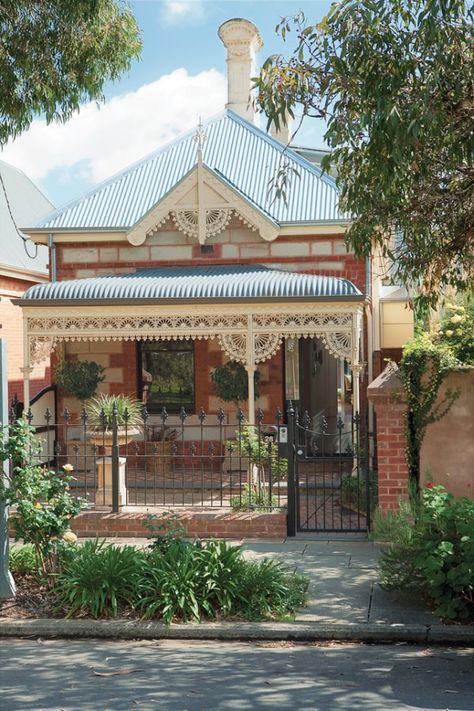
(93, 675)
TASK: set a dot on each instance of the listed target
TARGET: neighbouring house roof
(218, 283)
(242, 155)
(28, 205)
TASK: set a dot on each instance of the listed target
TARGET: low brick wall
(200, 524)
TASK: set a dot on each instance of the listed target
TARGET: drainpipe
(52, 256)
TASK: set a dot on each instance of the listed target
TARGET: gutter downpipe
(52, 257)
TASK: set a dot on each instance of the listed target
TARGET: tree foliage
(56, 54)
(394, 80)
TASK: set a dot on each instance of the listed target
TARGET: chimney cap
(240, 29)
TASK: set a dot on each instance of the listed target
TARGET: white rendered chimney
(242, 41)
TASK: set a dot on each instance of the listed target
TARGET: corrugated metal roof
(237, 150)
(28, 204)
(196, 283)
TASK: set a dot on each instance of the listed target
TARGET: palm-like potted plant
(103, 410)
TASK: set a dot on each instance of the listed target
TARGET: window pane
(167, 374)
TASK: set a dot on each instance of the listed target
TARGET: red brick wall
(322, 254)
(201, 524)
(392, 468)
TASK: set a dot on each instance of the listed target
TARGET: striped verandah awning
(248, 309)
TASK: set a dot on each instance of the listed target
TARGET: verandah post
(291, 481)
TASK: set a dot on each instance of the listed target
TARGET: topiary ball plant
(79, 377)
(100, 410)
(230, 382)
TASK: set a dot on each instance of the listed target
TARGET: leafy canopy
(394, 80)
(55, 55)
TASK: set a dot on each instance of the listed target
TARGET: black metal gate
(334, 485)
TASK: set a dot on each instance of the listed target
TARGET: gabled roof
(28, 204)
(213, 283)
(243, 155)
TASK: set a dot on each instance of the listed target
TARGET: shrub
(457, 327)
(42, 504)
(182, 581)
(22, 560)
(164, 529)
(432, 550)
(230, 382)
(266, 588)
(189, 581)
(194, 580)
(252, 445)
(98, 580)
(354, 492)
(253, 498)
(79, 377)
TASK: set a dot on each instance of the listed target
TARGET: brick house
(185, 260)
(22, 264)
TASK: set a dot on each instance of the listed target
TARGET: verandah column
(27, 369)
(250, 367)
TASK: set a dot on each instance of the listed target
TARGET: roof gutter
(144, 302)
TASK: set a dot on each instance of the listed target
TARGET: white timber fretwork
(247, 333)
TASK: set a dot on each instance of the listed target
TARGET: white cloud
(100, 141)
(175, 11)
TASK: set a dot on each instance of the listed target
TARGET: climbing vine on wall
(424, 366)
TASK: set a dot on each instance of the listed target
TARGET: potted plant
(79, 377)
(230, 382)
(101, 411)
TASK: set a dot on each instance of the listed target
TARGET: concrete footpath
(345, 603)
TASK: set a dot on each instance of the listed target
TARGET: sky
(179, 78)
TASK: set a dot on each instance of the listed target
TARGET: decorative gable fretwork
(201, 206)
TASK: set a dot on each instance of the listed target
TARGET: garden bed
(173, 580)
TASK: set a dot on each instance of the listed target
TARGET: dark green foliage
(393, 79)
(189, 581)
(423, 368)
(253, 498)
(180, 581)
(354, 492)
(432, 550)
(40, 497)
(267, 589)
(230, 382)
(58, 54)
(79, 377)
(164, 529)
(22, 560)
(98, 580)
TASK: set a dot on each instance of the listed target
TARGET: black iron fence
(324, 479)
(216, 460)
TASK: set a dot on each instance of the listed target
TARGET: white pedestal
(104, 483)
